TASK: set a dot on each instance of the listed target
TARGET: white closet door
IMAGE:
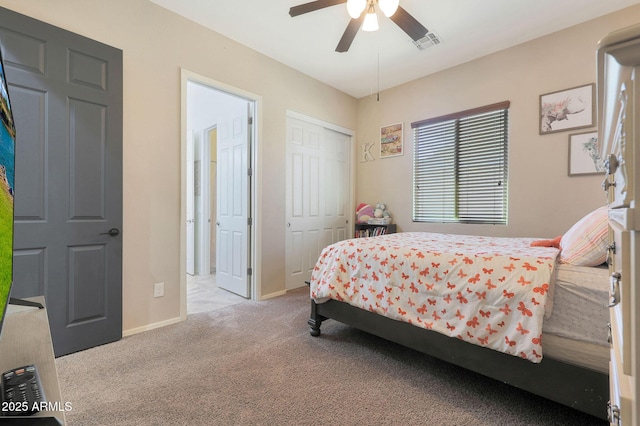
(317, 189)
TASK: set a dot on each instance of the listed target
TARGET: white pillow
(585, 244)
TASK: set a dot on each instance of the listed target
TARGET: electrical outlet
(158, 290)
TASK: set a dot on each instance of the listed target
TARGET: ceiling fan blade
(312, 6)
(350, 34)
(409, 24)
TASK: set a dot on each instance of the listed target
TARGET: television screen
(7, 176)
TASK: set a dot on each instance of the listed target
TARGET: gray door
(66, 92)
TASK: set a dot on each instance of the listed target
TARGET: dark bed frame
(577, 387)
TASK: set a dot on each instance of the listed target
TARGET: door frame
(255, 260)
(190, 253)
(202, 213)
(207, 213)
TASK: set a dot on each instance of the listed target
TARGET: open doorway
(219, 187)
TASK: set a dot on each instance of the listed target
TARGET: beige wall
(156, 44)
(543, 200)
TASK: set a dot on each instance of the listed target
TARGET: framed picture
(584, 156)
(567, 109)
(391, 138)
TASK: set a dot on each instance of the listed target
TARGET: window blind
(460, 167)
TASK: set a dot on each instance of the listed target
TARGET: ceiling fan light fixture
(371, 20)
(356, 7)
(388, 7)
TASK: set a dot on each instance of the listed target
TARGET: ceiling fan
(363, 14)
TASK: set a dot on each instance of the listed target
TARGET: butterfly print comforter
(489, 291)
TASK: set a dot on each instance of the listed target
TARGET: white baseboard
(271, 295)
(280, 293)
(160, 324)
(176, 320)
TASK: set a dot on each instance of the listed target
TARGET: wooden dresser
(618, 67)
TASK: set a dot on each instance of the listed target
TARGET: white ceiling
(386, 58)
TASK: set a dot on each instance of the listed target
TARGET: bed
(519, 310)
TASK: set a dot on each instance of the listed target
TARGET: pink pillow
(585, 244)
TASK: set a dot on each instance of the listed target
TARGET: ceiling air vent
(429, 40)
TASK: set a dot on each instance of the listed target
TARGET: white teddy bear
(381, 211)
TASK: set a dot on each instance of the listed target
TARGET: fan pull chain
(378, 94)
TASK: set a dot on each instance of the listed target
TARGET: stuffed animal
(364, 212)
(381, 211)
(548, 243)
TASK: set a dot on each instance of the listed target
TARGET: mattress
(576, 329)
(577, 352)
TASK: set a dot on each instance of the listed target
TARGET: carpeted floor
(256, 364)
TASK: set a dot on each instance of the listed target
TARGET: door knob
(113, 232)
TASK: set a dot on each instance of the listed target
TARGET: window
(460, 167)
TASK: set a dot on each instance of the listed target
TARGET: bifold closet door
(318, 195)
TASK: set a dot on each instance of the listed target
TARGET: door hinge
(249, 221)
(250, 120)
(249, 271)
(249, 171)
